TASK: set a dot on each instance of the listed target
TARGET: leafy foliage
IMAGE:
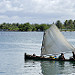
(68, 25)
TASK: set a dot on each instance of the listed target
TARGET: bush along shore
(68, 25)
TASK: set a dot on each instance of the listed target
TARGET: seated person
(34, 55)
(52, 57)
(61, 57)
(55, 57)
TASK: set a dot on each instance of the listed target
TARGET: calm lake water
(13, 45)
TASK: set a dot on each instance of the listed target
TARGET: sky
(36, 11)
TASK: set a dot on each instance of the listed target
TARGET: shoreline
(33, 31)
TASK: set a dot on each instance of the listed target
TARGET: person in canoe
(73, 57)
(61, 57)
(34, 55)
(53, 57)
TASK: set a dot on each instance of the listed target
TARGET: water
(13, 45)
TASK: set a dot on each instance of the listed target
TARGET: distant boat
(53, 43)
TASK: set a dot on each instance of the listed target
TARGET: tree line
(23, 27)
(68, 25)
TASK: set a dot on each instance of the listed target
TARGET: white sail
(54, 42)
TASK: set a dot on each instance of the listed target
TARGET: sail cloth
(54, 42)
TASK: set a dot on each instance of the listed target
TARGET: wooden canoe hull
(30, 57)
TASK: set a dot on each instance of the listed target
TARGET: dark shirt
(73, 55)
(61, 57)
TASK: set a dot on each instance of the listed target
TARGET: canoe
(39, 58)
(52, 44)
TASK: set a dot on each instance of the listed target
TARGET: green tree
(59, 24)
(43, 27)
(33, 27)
(74, 24)
(70, 24)
(37, 26)
(28, 27)
(20, 27)
(66, 24)
(1, 26)
(25, 27)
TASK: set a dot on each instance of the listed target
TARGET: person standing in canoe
(73, 55)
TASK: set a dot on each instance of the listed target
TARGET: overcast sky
(36, 11)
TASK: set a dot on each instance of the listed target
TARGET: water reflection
(73, 64)
(49, 67)
(57, 68)
(32, 67)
